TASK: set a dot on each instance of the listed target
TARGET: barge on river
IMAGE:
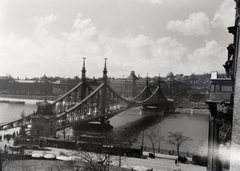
(12, 102)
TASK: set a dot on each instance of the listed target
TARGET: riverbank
(188, 105)
(32, 97)
(191, 105)
(162, 162)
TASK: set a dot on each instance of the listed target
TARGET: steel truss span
(84, 104)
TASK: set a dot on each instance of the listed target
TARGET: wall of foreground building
(235, 144)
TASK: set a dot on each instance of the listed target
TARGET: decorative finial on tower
(159, 79)
(105, 71)
(83, 70)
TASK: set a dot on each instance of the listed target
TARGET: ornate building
(128, 87)
(132, 85)
(175, 87)
(223, 105)
(44, 121)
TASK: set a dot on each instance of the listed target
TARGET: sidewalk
(162, 162)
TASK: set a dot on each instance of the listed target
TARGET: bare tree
(152, 135)
(161, 138)
(122, 141)
(89, 160)
(177, 139)
(201, 147)
(7, 156)
(64, 132)
(4, 159)
(94, 156)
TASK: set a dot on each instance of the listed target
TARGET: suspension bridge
(85, 104)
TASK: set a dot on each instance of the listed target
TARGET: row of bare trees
(174, 138)
(99, 156)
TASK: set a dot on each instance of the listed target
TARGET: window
(226, 88)
(217, 88)
(212, 88)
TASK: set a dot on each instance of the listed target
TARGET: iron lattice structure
(84, 104)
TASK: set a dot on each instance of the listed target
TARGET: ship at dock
(12, 102)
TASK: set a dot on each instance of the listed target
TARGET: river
(193, 123)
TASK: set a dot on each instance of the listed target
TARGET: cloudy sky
(50, 37)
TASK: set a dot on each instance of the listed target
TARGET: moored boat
(17, 102)
(4, 101)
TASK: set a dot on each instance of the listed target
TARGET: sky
(150, 37)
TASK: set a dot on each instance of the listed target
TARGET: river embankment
(32, 97)
(191, 105)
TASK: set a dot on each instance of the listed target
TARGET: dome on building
(152, 81)
(45, 108)
(44, 104)
(170, 74)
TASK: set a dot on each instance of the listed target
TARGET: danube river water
(192, 122)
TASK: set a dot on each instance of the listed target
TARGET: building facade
(38, 86)
(131, 86)
(128, 87)
(222, 106)
(44, 121)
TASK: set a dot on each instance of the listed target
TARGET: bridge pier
(152, 110)
(162, 109)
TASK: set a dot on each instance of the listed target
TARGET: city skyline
(155, 36)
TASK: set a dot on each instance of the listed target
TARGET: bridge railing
(17, 123)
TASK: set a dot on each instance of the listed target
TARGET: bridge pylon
(74, 96)
(104, 91)
(82, 104)
(84, 85)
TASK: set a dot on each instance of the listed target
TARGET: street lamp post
(142, 140)
(159, 146)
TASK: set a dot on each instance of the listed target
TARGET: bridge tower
(44, 121)
(148, 93)
(104, 91)
(84, 86)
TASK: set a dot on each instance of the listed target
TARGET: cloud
(63, 57)
(196, 24)
(224, 16)
(143, 54)
(84, 37)
(202, 59)
(200, 24)
(41, 24)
